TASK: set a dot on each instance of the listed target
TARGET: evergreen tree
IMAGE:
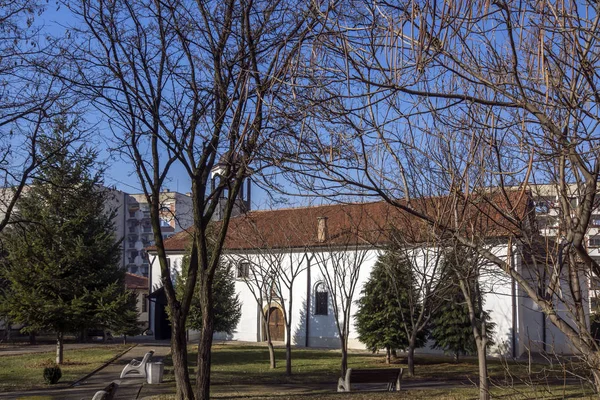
(116, 310)
(61, 253)
(451, 328)
(227, 305)
(380, 321)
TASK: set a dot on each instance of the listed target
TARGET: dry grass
(26, 371)
(240, 371)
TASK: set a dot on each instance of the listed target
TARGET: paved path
(129, 388)
(14, 350)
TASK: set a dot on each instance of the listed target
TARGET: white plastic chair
(108, 393)
(135, 368)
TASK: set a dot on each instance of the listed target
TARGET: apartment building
(132, 221)
(547, 211)
(136, 229)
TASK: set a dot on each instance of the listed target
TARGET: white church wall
(322, 329)
(496, 288)
(537, 333)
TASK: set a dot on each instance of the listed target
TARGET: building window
(573, 202)
(542, 207)
(321, 299)
(243, 270)
(144, 303)
(596, 221)
(594, 241)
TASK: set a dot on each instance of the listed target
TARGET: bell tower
(243, 200)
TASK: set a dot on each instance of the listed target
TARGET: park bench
(108, 393)
(136, 368)
(390, 376)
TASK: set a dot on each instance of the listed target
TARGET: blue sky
(120, 172)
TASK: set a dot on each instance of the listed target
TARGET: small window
(321, 299)
(144, 302)
(596, 221)
(243, 270)
(542, 207)
(594, 305)
(573, 202)
(594, 242)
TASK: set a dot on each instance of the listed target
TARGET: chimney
(166, 190)
(322, 234)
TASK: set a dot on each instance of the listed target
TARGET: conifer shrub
(52, 374)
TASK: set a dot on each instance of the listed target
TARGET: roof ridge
(315, 206)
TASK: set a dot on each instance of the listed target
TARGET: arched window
(243, 270)
(321, 299)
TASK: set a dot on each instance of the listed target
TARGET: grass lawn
(249, 365)
(26, 371)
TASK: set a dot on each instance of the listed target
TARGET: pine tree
(384, 299)
(116, 310)
(451, 328)
(227, 305)
(61, 249)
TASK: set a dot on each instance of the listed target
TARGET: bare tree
(260, 281)
(280, 247)
(466, 268)
(455, 98)
(340, 267)
(28, 99)
(190, 84)
(425, 295)
(289, 262)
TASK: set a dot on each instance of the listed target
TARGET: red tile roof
(369, 223)
(133, 281)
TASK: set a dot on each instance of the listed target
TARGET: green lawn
(26, 371)
(249, 365)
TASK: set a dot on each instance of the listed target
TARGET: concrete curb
(102, 366)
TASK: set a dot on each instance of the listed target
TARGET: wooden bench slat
(374, 376)
(389, 376)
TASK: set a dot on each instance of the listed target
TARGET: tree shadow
(322, 330)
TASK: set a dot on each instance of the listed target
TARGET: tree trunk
(32, 339)
(272, 361)
(7, 329)
(596, 373)
(484, 388)
(204, 347)
(104, 336)
(388, 355)
(394, 353)
(180, 359)
(265, 319)
(124, 339)
(288, 350)
(344, 365)
(412, 342)
(59, 348)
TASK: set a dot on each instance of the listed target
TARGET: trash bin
(155, 373)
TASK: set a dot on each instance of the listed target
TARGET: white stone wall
(322, 329)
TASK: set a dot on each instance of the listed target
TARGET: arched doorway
(276, 324)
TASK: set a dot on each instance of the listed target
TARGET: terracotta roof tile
(133, 281)
(369, 223)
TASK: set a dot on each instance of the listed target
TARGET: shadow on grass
(241, 364)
